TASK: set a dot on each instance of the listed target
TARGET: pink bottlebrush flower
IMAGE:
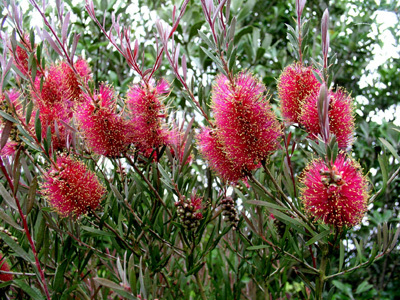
(21, 56)
(105, 131)
(9, 148)
(71, 189)
(53, 105)
(295, 84)
(213, 151)
(72, 91)
(148, 114)
(340, 113)
(12, 143)
(337, 196)
(247, 127)
(174, 140)
(14, 95)
(5, 267)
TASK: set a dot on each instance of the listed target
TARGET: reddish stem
(314, 262)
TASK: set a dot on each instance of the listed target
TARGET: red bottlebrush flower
(13, 141)
(5, 267)
(21, 56)
(247, 126)
(174, 140)
(340, 113)
(71, 85)
(213, 151)
(9, 148)
(105, 131)
(148, 112)
(337, 196)
(295, 84)
(71, 189)
(53, 106)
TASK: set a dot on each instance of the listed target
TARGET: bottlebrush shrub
(295, 84)
(340, 113)
(337, 195)
(70, 188)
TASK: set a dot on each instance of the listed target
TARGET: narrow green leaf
(97, 231)
(318, 237)
(256, 247)
(58, 283)
(38, 126)
(363, 287)
(390, 148)
(384, 173)
(116, 193)
(385, 236)
(395, 238)
(33, 70)
(33, 292)
(8, 117)
(195, 269)
(8, 219)
(373, 255)
(17, 248)
(214, 59)
(206, 40)
(341, 257)
(290, 221)
(266, 204)
(7, 197)
(28, 114)
(31, 195)
(108, 283)
(360, 256)
(317, 76)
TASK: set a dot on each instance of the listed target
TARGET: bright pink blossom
(53, 107)
(105, 131)
(148, 113)
(71, 85)
(340, 113)
(174, 140)
(337, 196)
(71, 188)
(213, 151)
(247, 127)
(11, 145)
(5, 267)
(21, 56)
(295, 84)
(57, 97)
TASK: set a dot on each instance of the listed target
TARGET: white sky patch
(385, 20)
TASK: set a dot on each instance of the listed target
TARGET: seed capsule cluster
(189, 211)
(229, 211)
